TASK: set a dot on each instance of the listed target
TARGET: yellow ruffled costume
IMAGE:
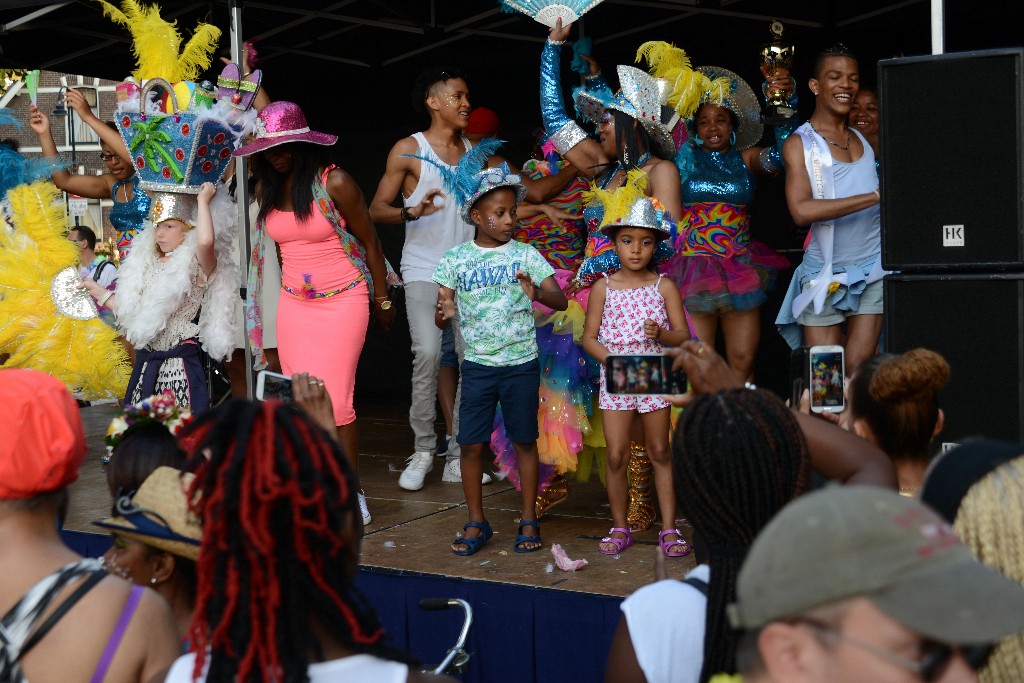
(83, 354)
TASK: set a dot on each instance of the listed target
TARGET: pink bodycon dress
(324, 307)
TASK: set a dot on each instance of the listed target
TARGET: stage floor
(411, 530)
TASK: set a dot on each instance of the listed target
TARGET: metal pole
(242, 191)
(938, 27)
(71, 134)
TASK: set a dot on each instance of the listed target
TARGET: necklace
(835, 144)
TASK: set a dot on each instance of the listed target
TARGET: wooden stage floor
(411, 530)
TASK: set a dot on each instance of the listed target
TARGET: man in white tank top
(432, 227)
(832, 186)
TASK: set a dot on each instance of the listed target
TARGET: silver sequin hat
(174, 206)
(641, 97)
(491, 179)
(740, 100)
(642, 214)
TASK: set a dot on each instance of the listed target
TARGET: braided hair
(738, 457)
(280, 545)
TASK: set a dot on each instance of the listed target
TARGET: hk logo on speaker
(952, 235)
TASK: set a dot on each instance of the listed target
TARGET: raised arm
(768, 160)
(91, 186)
(205, 252)
(569, 139)
(350, 202)
(803, 207)
(111, 137)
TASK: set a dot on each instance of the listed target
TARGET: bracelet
(106, 297)
(590, 77)
(878, 194)
(555, 42)
(407, 215)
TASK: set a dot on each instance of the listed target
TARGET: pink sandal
(619, 543)
(665, 545)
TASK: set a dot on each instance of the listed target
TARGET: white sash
(819, 169)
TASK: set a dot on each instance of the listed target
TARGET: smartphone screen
(272, 385)
(643, 374)
(827, 369)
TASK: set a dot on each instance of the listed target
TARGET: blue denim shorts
(516, 388)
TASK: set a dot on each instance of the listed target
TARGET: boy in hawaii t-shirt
(490, 283)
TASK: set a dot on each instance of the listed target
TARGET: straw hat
(279, 123)
(158, 515)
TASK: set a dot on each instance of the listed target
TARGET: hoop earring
(732, 138)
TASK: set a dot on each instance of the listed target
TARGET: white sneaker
(363, 509)
(419, 463)
(453, 473)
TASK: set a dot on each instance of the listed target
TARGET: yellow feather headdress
(688, 87)
(629, 205)
(156, 43)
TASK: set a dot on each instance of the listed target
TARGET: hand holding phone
(273, 385)
(827, 378)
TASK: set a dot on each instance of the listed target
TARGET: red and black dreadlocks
(738, 457)
(279, 552)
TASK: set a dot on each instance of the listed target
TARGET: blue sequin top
(719, 177)
(129, 215)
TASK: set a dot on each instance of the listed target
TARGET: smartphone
(827, 373)
(273, 385)
(799, 374)
(643, 374)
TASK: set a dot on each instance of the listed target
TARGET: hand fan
(547, 12)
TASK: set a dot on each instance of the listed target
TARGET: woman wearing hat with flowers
(721, 272)
(333, 268)
(156, 541)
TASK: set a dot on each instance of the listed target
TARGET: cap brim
(261, 144)
(966, 604)
(186, 549)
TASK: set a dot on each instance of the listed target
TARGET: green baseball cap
(861, 541)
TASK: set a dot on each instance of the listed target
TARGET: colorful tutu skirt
(717, 267)
(567, 381)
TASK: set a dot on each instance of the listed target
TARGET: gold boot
(640, 513)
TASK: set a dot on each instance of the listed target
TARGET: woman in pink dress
(332, 266)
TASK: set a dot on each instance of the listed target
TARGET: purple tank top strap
(117, 635)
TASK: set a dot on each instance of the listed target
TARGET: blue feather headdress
(16, 169)
(471, 179)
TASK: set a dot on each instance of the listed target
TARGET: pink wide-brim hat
(279, 123)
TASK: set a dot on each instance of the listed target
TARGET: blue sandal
(520, 539)
(474, 544)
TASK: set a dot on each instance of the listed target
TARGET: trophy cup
(776, 55)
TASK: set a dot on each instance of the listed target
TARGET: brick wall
(86, 148)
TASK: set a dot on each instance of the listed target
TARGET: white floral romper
(622, 332)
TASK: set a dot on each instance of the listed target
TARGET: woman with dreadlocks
(281, 530)
(739, 456)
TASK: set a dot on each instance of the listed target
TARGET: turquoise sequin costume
(128, 218)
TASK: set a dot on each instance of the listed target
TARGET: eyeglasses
(107, 156)
(934, 660)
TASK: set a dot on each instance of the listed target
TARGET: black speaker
(952, 169)
(977, 323)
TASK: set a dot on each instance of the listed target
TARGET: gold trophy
(776, 55)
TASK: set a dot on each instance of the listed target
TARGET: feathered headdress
(470, 180)
(688, 88)
(629, 206)
(156, 43)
